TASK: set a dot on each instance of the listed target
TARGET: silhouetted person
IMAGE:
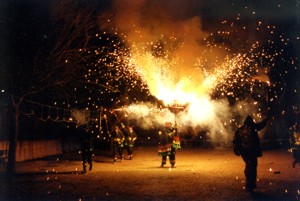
(295, 143)
(86, 146)
(118, 143)
(246, 143)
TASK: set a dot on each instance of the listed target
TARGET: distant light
(2, 90)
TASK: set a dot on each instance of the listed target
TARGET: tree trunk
(13, 138)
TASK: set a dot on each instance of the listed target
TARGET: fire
(167, 80)
(165, 84)
(169, 95)
(164, 81)
(180, 61)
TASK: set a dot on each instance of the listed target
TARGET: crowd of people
(122, 137)
(123, 140)
(246, 144)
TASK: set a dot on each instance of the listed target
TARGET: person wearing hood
(247, 145)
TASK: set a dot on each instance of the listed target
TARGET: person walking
(118, 143)
(130, 138)
(247, 145)
(86, 146)
(165, 147)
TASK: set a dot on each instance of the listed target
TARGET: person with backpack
(247, 145)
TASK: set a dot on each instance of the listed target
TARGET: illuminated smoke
(80, 116)
(169, 50)
(175, 58)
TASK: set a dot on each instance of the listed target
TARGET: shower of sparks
(185, 64)
(121, 66)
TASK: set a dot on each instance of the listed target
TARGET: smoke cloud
(172, 54)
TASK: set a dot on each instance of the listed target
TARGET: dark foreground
(201, 174)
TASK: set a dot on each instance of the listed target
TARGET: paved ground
(201, 174)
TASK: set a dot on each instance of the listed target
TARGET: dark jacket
(166, 136)
(246, 141)
(86, 138)
(118, 137)
(130, 136)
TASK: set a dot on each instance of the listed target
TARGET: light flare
(179, 61)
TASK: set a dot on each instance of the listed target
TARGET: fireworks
(215, 82)
(140, 62)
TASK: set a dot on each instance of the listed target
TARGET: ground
(201, 174)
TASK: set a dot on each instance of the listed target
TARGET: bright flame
(179, 62)
(162, 84)
(166, 84)
(202, 109)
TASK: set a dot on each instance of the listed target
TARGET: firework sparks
(177, 60)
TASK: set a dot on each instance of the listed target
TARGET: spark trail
(179, 61)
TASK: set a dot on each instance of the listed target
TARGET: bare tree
(57, 58)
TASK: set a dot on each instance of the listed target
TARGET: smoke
(80, 116)
(172, 54)
(207, 115)
(166, 40)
